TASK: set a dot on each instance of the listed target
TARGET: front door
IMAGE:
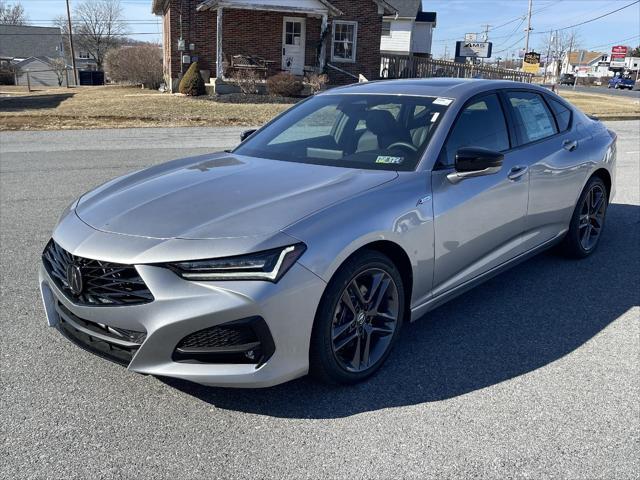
(293, 35)
(478, 221)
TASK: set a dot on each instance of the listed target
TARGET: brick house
(339, 37)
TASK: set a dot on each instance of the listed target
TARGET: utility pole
(526, 43)
(546, 60)
(485, 35)
(73, 53)
(569, 53)
(446, 52)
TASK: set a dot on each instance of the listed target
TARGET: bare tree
(560, 45)
(98, 26)
(12, 14)
(59, 66)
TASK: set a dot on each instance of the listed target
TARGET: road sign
(618, 54)
(531, 62)
(473, 49)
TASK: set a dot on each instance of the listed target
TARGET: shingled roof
(22, 41)
(406, 8)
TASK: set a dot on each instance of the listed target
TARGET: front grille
(242, 341)
(104, 283)
(115, 344)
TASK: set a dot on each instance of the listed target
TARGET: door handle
(517, 172)
(570, 145)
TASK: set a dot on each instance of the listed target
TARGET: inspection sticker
(389, 160)
(442, 101)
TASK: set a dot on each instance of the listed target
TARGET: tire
(583, 237)
(328, 358)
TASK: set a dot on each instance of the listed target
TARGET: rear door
(549, 145)
(479, 221)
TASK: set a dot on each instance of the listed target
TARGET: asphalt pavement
(534, 374)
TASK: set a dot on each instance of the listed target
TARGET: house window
(343, 42)
(386, 29)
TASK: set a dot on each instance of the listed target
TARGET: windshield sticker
(442, 101)
(389, 160)
(434, 117)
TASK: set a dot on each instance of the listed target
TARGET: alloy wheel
(592, 217)
(365, 320)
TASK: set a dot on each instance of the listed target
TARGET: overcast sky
(455, 18)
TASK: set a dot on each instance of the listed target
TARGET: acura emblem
(74, 278)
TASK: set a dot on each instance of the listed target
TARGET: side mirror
(475, 162)
(246, 134)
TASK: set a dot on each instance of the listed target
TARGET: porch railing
(405, 66)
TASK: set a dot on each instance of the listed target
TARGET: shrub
(284, 85)
(139, 64)
(192, 83)
(248, 81)
(317, 82)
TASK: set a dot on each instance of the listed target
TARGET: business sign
(473, 49)
(470, 37)
(531, 62)
(618, 54)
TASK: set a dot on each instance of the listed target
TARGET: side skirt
(420, 310)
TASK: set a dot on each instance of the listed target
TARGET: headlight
(269, 265)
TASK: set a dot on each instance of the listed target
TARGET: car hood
(220, 196)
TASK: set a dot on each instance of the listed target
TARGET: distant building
(41, 72)
(409, 31)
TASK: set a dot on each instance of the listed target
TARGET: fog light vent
(242, 341)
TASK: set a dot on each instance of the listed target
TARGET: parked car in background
(307, 247)
(621, 82)
(567, 79)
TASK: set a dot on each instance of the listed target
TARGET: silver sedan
(307, 247)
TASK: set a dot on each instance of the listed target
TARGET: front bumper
(182, 307)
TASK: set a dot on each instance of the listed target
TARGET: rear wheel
(358, 319)
(588, 218)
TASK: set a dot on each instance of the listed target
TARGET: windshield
(381, 132)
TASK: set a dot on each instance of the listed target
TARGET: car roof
(437, 87)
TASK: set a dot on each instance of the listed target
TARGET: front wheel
(358, 319)
(588, 218)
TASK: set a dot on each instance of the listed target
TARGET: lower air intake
(242, 341)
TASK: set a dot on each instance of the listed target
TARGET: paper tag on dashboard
(442, 101)
(389, 160)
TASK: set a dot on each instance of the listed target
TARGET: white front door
(293, 35)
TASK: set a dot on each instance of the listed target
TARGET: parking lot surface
(534, 374)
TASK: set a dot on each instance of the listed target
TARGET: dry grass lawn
(122, 107)
(604, 106)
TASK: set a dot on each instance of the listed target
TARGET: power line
(510, 46)
(616, 42)
(590, 20)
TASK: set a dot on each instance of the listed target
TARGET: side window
(533, 118)
(562, 114)
(480, 124)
